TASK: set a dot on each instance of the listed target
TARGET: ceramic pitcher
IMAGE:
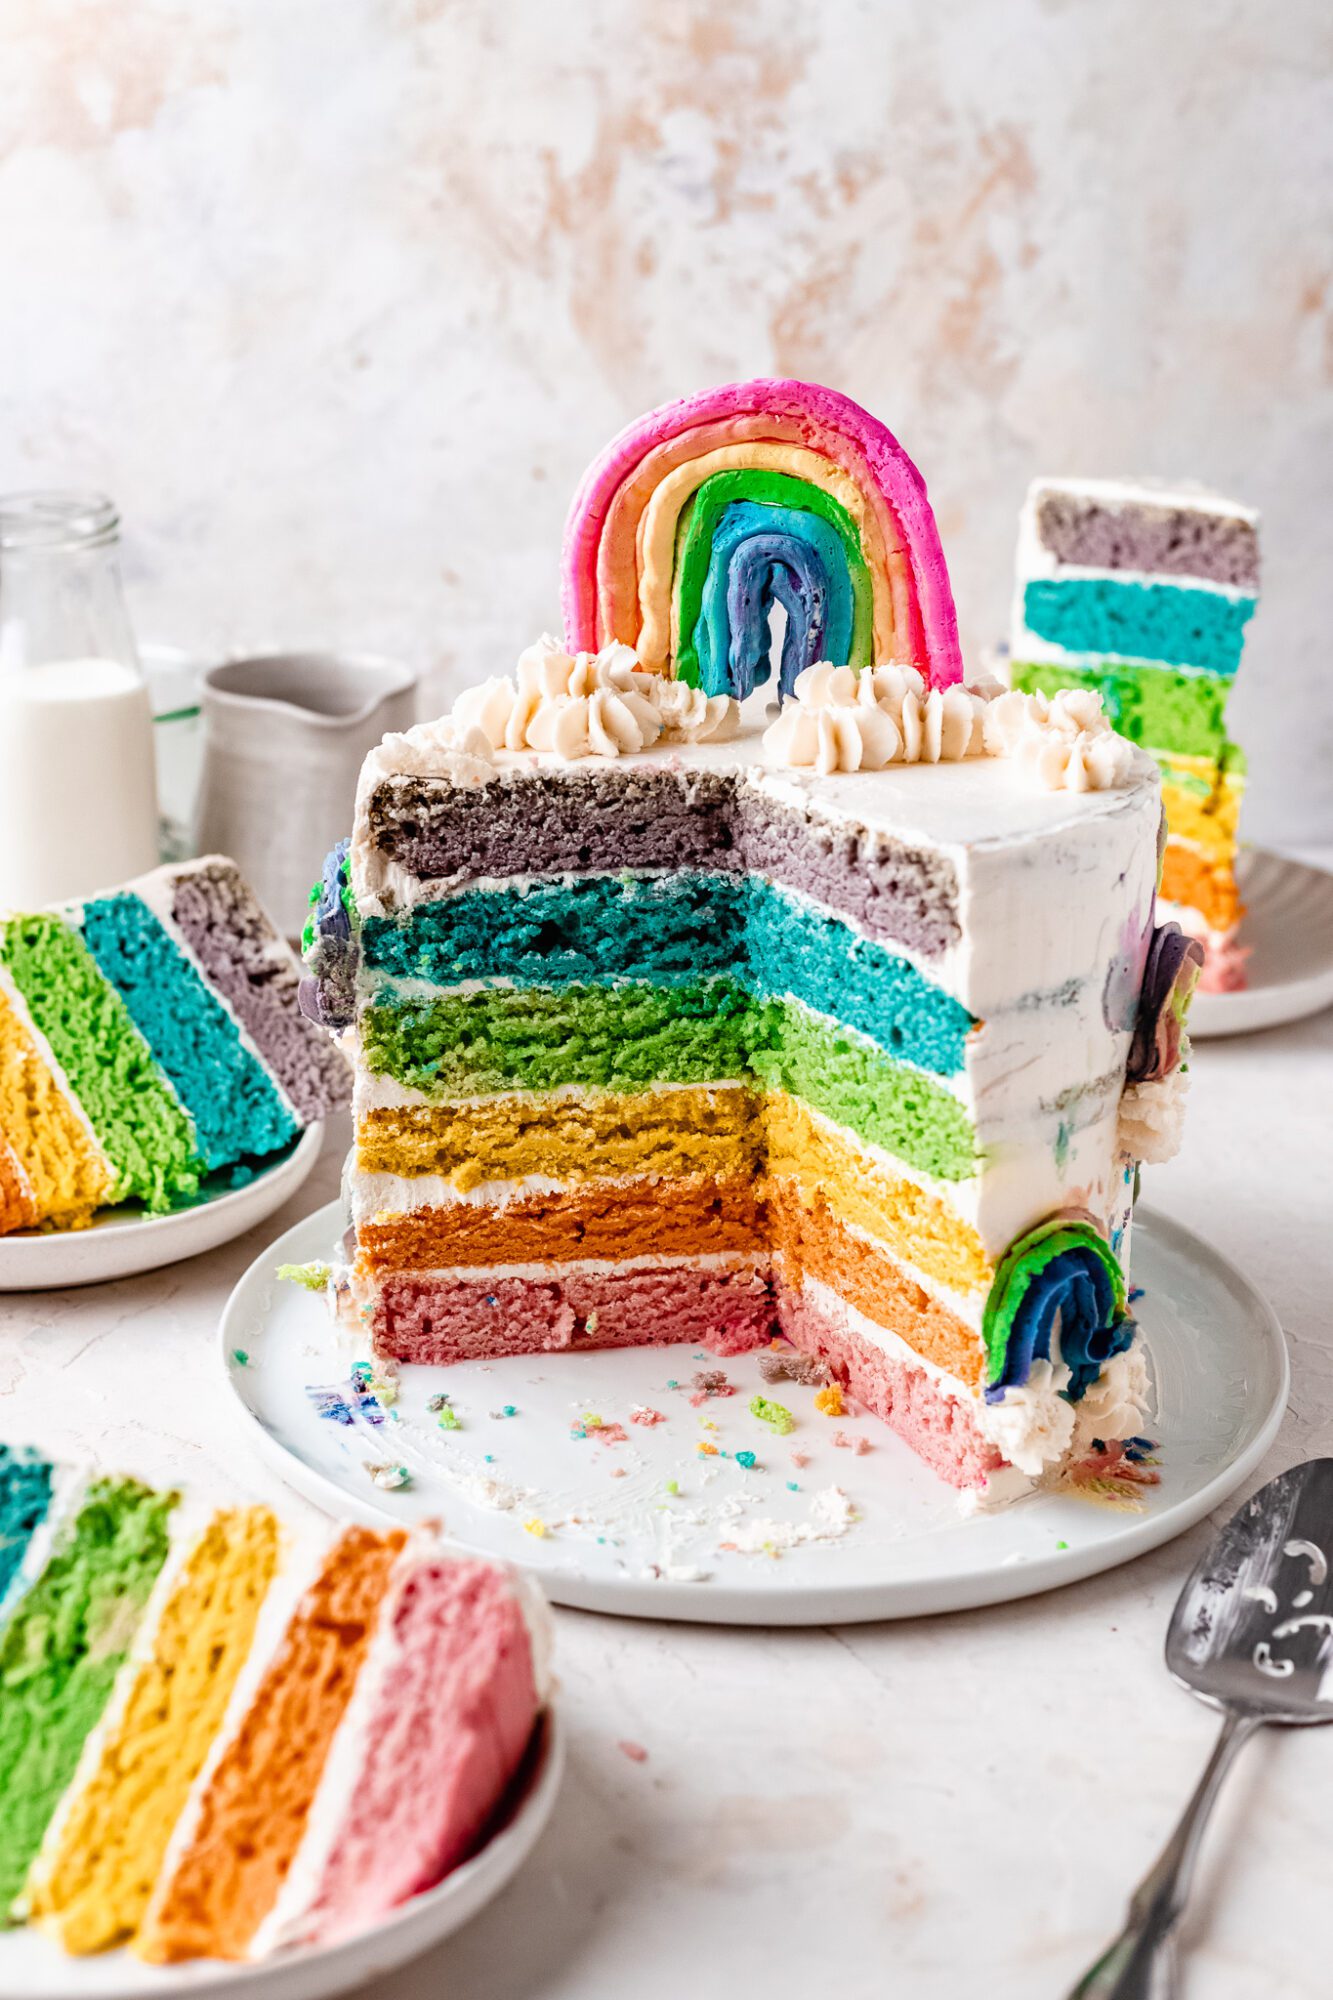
(285, 735)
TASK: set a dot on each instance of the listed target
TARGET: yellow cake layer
(716, 1132)
(67, 1175)
(1202, 803)
(91, 1888)
(724, 1134)
(915, 1223)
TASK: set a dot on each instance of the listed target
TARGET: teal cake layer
(629, 1037)
(601, 929)
(25, 1498)
(1164, 708)
(234, 1105)
(1173, 623)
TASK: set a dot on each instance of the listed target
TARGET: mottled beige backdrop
(338, 296)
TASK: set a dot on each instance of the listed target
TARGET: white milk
(78, 794)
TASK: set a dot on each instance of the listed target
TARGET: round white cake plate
(1288, 930)
(120, 1242)
(835, 1522)
(33, 1967)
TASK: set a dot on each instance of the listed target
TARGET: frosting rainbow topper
(702, 516)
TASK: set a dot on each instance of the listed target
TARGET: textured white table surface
(921, 1809)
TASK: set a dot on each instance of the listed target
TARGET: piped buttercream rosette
(841, 720)
(602, 704)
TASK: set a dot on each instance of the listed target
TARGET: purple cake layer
(249, 965)
(548, 823)
(1161, 539)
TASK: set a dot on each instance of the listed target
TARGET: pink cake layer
(461, 1318)
(446, 1734)
(939, 1429)
(452, 1317)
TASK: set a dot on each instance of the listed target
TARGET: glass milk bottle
(78, 797)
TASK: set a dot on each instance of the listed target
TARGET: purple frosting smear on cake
(332, 953)
(1169, 978)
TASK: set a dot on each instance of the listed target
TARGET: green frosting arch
(1023, 1263)
(694, 545)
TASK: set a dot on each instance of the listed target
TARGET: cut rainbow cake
(679, 1019)
(149, 1037)
(1142, 595)
(218, 1738)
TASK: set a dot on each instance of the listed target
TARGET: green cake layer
(144, 1130)
(1162, 708)
(601, 929)
(632, 1037)
(61, 1652)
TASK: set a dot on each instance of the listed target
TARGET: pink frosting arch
(889, 476)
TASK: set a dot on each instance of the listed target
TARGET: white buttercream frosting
(445, 748)
(590, 705)
(841, 720)
(1152, 1119)
(1033, 1424)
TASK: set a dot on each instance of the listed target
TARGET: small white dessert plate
(1288, 931)
(33, 1967)
(837, 1521)
(120, 1242)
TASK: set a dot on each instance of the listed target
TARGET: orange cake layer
(18, 1209)
(603, 1219)
(254, 1808)
(808, 1235)
(914, 1223)
(1208, 886)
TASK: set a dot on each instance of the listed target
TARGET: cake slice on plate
(150, 1037)
(1143, 594)
(219, 1738)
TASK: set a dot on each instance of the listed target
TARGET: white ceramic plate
(618, 1539)
(123, 1241)
(32, 1967)
(1288, 927)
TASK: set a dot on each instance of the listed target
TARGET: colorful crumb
(776, 1415)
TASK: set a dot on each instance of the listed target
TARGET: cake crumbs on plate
(634, 1751)
(643, 1413)
(535, 1526)
(792, 1366)
(829, 1400)
(860, 1444)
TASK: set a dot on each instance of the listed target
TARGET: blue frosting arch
(1061, 1274)
(762, 555)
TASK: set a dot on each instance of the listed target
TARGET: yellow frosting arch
(656, 543)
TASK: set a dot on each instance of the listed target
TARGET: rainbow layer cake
(680, 1018)
(218, 1738)
(150, 1037)
(1143, 595)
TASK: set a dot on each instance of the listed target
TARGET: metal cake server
(1252, 1635)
